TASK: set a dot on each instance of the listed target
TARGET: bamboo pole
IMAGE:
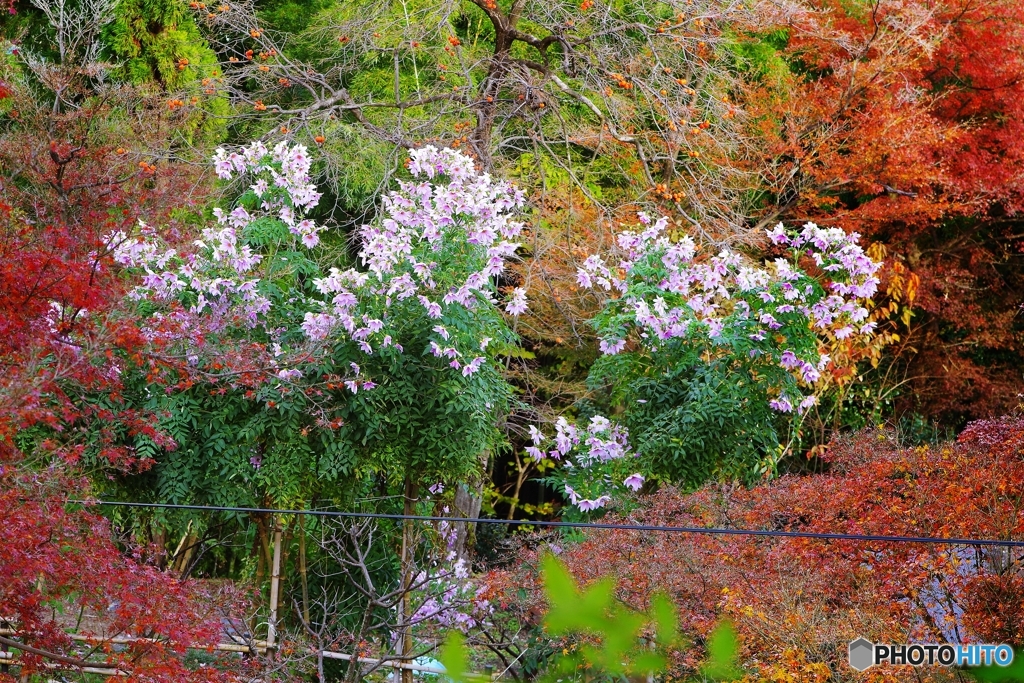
(9, 657)
(275, 587)
(407, 529)
(182, 544)
(404, 666)
(257, 645)
(3, 650)
(80, 664)
(302, 568)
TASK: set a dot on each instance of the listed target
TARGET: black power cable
(577, 525)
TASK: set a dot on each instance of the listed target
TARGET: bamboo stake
(404, 666)
(406, 640)
(262, 552)
(9, 660)
(302, 568)
(3, 650)
(182, 545)
(232, 647)
(257, 645)
(275, 586)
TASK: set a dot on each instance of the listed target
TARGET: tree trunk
(521, 471)
(490, 88)
(467, 504)
(160, 543)
(261, 547)
(468, 499)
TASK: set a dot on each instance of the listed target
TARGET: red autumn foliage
(67, 186)
(798, 602)
(906, 124)
(65, 337)
(57, 332)
(61, 572)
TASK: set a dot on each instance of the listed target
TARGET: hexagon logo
(862, 654)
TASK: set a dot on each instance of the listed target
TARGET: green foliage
(544, 173)
(324, 436)
(712, 367)
(760, 55)
(999, 674)
(914, 429)
(150, 49)
(354, 164)
(694, 421)
(157, 43)
(454, 657)
(723, 648)
(241, 447)
(290, 16)
(611, 640)
(149, 37)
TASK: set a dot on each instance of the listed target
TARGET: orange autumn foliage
(797, 602)
(905, 122)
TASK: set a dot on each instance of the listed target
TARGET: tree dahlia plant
(261, 307)
(440, 247)
(443, 242)
(715, 360)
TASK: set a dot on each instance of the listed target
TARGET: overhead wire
(714, 531)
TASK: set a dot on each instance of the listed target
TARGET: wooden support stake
(275, 586)
(407, 579)
(328, 654)
(302, 568)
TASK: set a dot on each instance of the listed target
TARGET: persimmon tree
(511, 81)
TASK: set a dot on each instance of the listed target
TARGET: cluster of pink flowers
(220, 277)
(718, 298)
(442, 242)
(222, 271)
(594, 460)
(298, 194)
(220, 274)
(447, 595)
